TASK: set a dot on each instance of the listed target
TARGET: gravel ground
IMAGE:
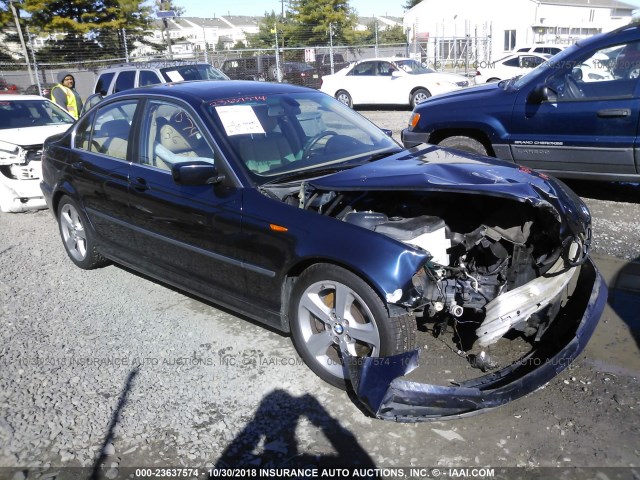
(109, 367)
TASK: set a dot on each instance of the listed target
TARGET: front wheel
(343, 97)
(77, 239)
(332, 308)
(419, 96)
(466, 144)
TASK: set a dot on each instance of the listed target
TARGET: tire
(343, 97)
(419, 96)
(77, 238)
(366, 329)
(633, 73)
(466, 144)
(493, 79)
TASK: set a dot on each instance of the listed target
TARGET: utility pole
(278, 72)
(35, 64)
(25, 52)
(164, 14)
(331, 47)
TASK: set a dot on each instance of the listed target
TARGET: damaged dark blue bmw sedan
(284, 205)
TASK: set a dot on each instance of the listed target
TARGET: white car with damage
(25, 122)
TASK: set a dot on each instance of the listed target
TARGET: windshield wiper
(302, 174)
(381, 155)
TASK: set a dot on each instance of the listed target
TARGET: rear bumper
(378, 384)
(411, 139)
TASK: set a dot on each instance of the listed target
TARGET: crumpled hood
(29, 136)
(427, 167)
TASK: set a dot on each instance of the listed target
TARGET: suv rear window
(148, 77)
(104, 81)
(125, 81)
(190, 72)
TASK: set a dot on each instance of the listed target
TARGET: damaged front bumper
(378, 382)
(22, 192)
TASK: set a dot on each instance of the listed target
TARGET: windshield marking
(236, 100)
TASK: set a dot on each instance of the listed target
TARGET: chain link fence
(460, 55)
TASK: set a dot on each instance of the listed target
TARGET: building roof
(591, 3)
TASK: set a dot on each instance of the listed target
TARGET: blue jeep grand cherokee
(575, 116)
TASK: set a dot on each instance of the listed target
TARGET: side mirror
(196, 173)
(576, 73)
(541, 94)
(387, 132)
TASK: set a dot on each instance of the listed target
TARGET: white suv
(132, 75)
(542, 48)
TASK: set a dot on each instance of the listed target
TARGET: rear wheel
(78, 240)
(419, 96)
(493, 79)
(343, 97)
(466, 144)
(332, 308)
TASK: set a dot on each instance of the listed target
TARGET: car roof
(386, 59)
(151, 65)
(17, 97)
(197, 91)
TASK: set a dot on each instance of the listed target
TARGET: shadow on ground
(270, 439)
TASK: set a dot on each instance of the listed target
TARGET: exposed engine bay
(496, 265)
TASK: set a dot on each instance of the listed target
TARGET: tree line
(97, 29)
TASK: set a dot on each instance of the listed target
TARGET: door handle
(78, 166)
(139, 184)
(614, 113)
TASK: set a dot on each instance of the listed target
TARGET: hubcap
(73, 233)
(332, 316)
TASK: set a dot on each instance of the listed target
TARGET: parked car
(509, 67)
(388, 81)
(44, 90)
(575, 116)
(139, 74)
(322, 63)
(281, 203)
(627, 61)
(265, 68)
(542, 48)
(7, 88)
(299, 73)
(25, 122)
(258, 67)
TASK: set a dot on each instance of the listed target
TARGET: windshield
(31, 113)
(192, 72)
(276, 135)
(413, 67)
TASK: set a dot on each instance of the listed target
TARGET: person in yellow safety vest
(65, 95)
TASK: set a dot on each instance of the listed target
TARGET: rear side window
(102, 87)
(112, 128)
(148, 77)
(125, 81)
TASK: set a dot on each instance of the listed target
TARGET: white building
(440, 27)
(189, 35)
